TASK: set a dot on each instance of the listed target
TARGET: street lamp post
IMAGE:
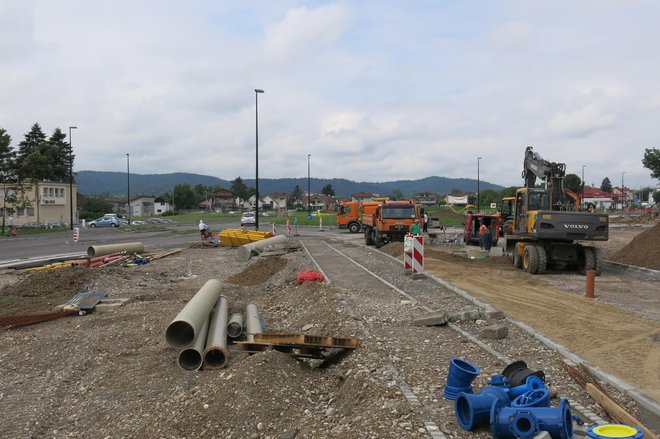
(582, 194)
(623, 192)
(256, 179)
(478, 191)
(71, 175)
(128, 186)
(309, 194)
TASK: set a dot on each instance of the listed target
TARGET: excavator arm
(551, 173)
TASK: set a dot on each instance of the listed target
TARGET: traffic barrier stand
(274, 231)
(418, 254)
(407, 253)
(75, 234)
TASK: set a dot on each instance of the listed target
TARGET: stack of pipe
(201, 328)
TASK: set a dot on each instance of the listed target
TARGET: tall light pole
(71, 175)
(256, 179)
(309, 194)
(623, 192)
(478, 192)
(128, 186)
(582, 194)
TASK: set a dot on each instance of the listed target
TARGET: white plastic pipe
(188, 323)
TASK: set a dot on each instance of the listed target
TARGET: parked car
(105, 221)
(58, 223)
(138, 223)
(31, 226)
(248, 218)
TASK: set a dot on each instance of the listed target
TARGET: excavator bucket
(239, 237)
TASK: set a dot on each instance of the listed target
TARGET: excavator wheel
(517, 259)
(543, 260)
(589, 260)
(530, 259)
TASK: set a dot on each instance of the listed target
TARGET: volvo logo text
(576, 226)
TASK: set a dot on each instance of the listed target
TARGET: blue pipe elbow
(525, 423)
(532, 398)
(531, 383)
(474, 410)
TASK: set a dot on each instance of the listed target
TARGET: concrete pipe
(253, 324)
(188, 323)
(101, 250)
(235, 325)
(190, 358)
(246, 251)
(216, 353)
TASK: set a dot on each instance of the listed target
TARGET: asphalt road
(61, 243)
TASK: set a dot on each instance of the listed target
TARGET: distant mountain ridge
(116, 184)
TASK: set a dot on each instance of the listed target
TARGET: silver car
(248, 218)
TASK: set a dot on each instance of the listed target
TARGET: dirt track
(619, 341)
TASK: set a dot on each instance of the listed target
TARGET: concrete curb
(618, 266)
(644, 401)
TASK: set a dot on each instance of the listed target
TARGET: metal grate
(87, 301)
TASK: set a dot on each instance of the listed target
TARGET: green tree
(397, 195)
(95, 207)
(455, 191)
(651, 161)
(488, 196)
(61, 154)
(294, 196)
(573, 183)
(606, 186)
(240, 189)
(184, 196)
(15, 189)
(656, 196)
(508, 192)
(328, 190)
(31, 143)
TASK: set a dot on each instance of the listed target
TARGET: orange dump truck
(389, 221)
(349, 213)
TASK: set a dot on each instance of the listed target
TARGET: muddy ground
(112, 374)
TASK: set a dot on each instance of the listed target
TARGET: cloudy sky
(374, 90)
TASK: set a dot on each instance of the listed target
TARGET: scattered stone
(495, 332)
(289, 434)
(492, 314)
(469, 314)
(433, 319)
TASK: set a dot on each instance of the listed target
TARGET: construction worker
(482, 232)
(415, 227)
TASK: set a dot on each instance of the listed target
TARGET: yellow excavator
(548, 228)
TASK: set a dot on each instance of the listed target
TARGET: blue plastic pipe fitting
(525, 423)
(532, 383)
(459, 379)
(532, 398)
(474, 410)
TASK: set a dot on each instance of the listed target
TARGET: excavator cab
(528, 203)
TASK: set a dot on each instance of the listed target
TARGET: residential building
(425, 198)
(275, 201)
(47, 201)
(364, 196)
(221, 200)
(148, 206)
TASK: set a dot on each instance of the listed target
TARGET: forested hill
(115, 183)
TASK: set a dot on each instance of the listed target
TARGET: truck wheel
(507, 227)
(543, 260)
(367, 236)
(353, 227)
(530, 259)
(589, 260)
(376, 239)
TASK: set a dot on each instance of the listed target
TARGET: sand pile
(643, 250)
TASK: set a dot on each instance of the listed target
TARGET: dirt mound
(643, 250)
(393, 248)
(259, 272)
(42, 290)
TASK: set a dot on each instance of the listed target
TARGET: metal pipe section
(102, 250)
(216, 353)
(246, 251)
(235, 325)
(253, 324)
(188, 323)
(191, 358)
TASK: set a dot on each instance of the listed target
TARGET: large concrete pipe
(191, 358)
(188, 323)
(253, 324)
(246, 251)
(235, 325)
(101, 250)
(216, 353)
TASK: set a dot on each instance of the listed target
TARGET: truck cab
(389, 221)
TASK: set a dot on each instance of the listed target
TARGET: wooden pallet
(298, 345)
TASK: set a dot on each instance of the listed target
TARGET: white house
(148, 206)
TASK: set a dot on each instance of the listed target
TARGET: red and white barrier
(75, 234)
(413, 254)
